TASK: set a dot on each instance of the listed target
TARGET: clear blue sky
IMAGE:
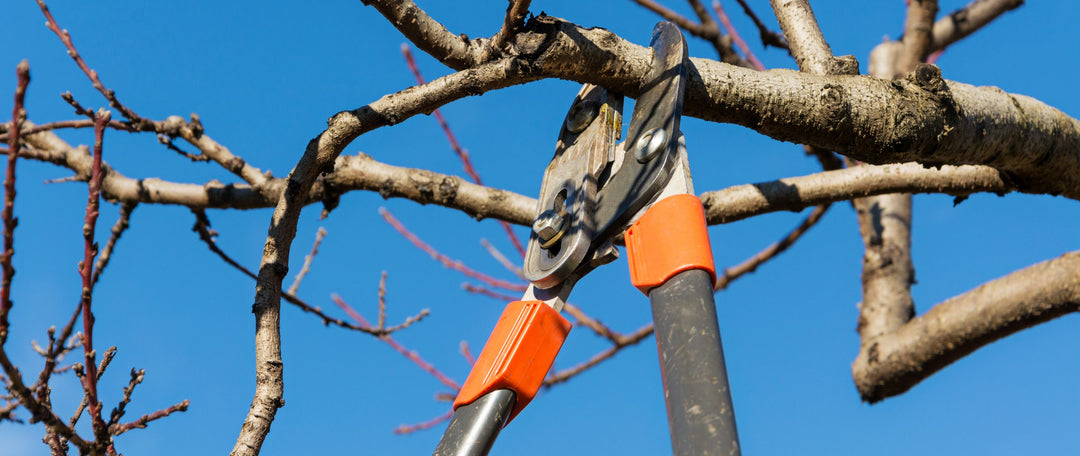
(264, 77)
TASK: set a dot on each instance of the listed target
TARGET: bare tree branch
(965, 21)
(891, 363)
(804, 37)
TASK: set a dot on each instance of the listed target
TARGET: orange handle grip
(518, 354)
(671, 237)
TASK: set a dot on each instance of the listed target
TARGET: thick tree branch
(805, 41)
(892, 363)
(918, 34)
(455, 51)
(722, 206)
(967, 20)
(923, 118)
(318, 158)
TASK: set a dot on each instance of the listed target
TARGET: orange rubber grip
(671, 237)
(518, 355)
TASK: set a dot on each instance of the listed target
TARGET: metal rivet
(650, 144)
(549, 227)
(580, 116)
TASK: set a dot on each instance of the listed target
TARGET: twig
(167, 141)
(410, 354)
(512, 22)
(73, 124)
(65, 37)
(505, 262)
(18, 113)
(202, 227)
(445, 260)
(751, 264)
(682, 21)
(967, 20)
(735, 38)
(768, 37)
(121, 225)
(118, 412)
(462, 154)
(319, 235)
(463, 347)
(141, 423)
(410, 428)
(630, 339)
(382, 301)
(721, 43)
(86, 268)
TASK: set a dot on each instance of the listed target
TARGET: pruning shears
(593, 190)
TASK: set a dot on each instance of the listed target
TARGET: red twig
(462, 154)
(65, 37)
(141, 422)
(445, 260)
(410, 354)
(463, 347)
(768, 37)
(730, 29)
(498, 256)
(934, 56)
(86, 269)
(410, 428)
(18, 113)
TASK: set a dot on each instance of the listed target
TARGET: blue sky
(265, 77)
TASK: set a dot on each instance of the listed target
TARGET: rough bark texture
(896, 361)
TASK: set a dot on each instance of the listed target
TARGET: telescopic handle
(474, 427)
(700, 412)
(506, 376)
(671, 261)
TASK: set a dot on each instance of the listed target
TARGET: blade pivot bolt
(650, 144)
(549, 227)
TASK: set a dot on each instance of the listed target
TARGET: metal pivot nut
(581, 115)
(650, 144)
(549, 227)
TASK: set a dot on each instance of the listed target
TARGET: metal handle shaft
(474, 427)
(700, 413)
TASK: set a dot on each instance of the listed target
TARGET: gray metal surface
(570, 184)
(659, 107)
(473, 428)
(700, 412)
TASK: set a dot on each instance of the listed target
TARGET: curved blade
(657, 111)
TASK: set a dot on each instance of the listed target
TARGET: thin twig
(768, 37)
(118, 412)
(18, 113)
(142, 421)
(410, 428)
(410, 354)
(505, 262)
(463, 347)
(121, 225)
(202, 227)
(512, 22)
(584, 320)
(382, 301)
(630, 339)
(735, 38)
(167, 141)
(445, 260)
(86, 268)
(109, 95)
(461, 153)
(751, 264)
(319, 235)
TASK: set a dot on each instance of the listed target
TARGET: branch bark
(318, 158)
(892, 363)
